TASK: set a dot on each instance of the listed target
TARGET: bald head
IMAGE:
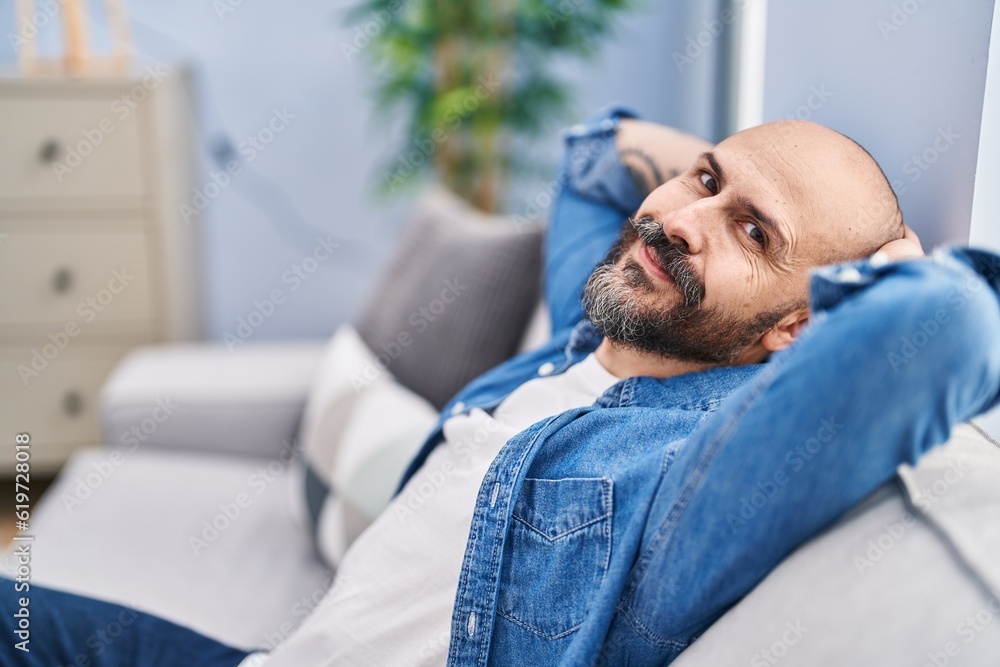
(831, 189)
(714, 267)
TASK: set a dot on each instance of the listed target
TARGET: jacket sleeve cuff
(830, 285)
(592, 168)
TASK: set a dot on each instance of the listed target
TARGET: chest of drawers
(95, 254)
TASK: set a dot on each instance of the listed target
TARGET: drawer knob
(62, 281)
(49, 151)
(72, 403)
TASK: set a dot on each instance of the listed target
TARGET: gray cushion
(245, 401)
(455, 298)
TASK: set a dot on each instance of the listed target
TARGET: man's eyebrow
(765, 220)
(710, 156)
(774, 230)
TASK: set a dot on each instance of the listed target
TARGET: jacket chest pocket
(556, 553)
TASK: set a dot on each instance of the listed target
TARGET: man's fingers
(907, 247)
(910, 235)
(898, 250)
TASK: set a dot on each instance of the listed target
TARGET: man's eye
(709, 182)
(755, 232)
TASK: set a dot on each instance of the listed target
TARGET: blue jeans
(74, 631)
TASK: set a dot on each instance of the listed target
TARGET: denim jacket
(617, 532)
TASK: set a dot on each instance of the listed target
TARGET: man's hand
(907, 247)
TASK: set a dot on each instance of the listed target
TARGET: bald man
(713, 267)
(714, 393)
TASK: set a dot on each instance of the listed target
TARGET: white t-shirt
(392, 599)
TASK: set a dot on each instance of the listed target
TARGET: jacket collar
(703, 390)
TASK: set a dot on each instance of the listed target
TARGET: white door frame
(984, 230)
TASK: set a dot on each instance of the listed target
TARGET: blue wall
(322, 168)
(891, 91)
(903, 78)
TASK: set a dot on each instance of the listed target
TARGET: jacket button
(470, 627)
(849, 274)
(458, 407)
(546, 368)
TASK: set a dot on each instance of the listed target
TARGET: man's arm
(897, 355)
(653, 154)
(610, 165)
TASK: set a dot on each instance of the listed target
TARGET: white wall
(985, 232)
(904, 78)
(897, 80)
(262, 56)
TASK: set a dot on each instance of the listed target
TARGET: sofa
(198, 507)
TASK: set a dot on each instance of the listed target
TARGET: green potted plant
(474, 78)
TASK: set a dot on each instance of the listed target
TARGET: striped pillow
(353, 454)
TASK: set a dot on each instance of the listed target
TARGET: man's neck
(623, 362)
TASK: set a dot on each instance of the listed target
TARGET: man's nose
(685, 227)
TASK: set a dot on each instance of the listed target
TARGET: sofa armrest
(247, 401)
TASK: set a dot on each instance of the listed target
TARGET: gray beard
(688, 331)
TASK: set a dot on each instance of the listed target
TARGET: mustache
(673, 259)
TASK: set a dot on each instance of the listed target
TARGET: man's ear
(784, 333)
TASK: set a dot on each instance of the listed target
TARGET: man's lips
(652, 266)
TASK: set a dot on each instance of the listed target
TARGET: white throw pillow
(359, 431)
